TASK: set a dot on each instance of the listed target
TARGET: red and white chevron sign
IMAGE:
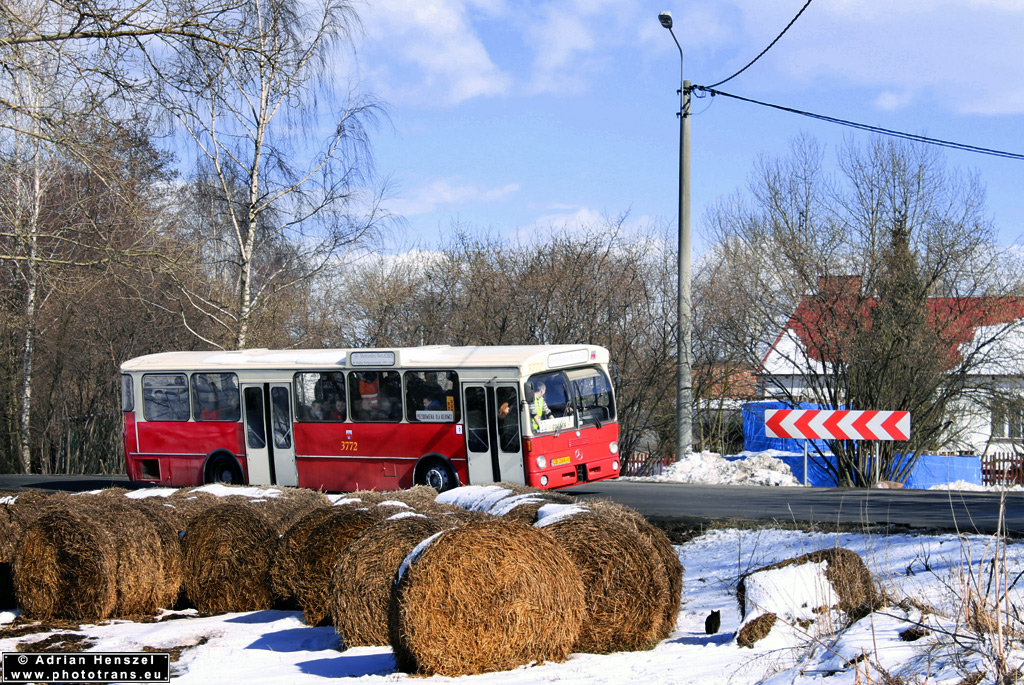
(837, 424)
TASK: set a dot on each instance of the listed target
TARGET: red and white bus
(383, 419)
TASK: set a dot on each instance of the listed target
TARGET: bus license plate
(560, 461)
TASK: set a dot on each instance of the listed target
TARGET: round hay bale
(847, 572)
(623, 580)
(550, 495)
(419, 497)
(65, 568)
(227, 553)
(167, 523)
(673, 568)
(490, 595)
(284, 569)
(137, 550)
(318, 555)
(191, 502)
(288, 507)
(105, 493)
(18, 508)
(361, 582)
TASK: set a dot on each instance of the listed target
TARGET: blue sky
(514, 117)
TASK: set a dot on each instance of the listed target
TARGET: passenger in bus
(539, 409)
(369, 389)
(210, 406)
(337, 412)
(160, 409)
(316, 412)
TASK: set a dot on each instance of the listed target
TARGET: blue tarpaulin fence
(931, 469)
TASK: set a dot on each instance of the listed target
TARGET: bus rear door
(494, 445)
(273, 462)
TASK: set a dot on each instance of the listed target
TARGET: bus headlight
(541, 462)
(543, 480)
(613, 447)
(615, 465)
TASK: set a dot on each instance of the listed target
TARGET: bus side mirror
(528, 393)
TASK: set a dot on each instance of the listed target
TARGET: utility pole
(684, 378)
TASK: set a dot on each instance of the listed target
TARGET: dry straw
(227, 553)
(288, 507)
(137, 549)
(491, 595)
(362, 579)
(673, 568)
(318, 555)
(18, 509)
(284, 569)
(623, 579)
(65, 568)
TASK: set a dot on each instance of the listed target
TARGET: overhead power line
(867, 127)
(770, 46)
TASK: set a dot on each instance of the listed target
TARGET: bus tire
(222, 468)
(436, 473)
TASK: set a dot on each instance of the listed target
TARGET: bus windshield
(567, 399)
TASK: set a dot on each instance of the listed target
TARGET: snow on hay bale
(227, 553)
(362, 578)
(65, 568)
(318, 555)
(813, 594)
(287, 507)
(623, 580)
(280, 506)
(487, 596)
(673, 568)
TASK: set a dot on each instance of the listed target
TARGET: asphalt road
(968, 512)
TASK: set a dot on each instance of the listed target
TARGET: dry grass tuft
(361, 582)
(288, 507)
(490, 595)
(755, 630)
(65, 568)
(318, 555)
(227, 553)
(673, 568)
(623, 579)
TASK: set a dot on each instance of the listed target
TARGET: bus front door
(269, 462)
(494, 445)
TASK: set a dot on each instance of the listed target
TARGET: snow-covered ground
(934, 571)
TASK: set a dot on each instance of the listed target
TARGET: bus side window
(161, 397)
(127, 393)
(215, 397)
(431, 396)
(319, 396)
(376, 396)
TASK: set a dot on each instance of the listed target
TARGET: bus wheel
(223, 469)
(437, 475)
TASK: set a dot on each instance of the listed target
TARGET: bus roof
(527, 358)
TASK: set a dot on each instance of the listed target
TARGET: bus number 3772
(347, 419)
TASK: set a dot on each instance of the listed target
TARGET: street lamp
(684, 381)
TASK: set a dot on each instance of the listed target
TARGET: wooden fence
(1002, 468)
(644, 464)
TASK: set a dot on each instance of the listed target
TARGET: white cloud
(428, 51)
(449, 194)
(964, 55)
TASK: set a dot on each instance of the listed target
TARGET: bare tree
(283, 158)
(852, 263)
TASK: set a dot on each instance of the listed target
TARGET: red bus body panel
(344, 457)
(571, 454)
(180, 448)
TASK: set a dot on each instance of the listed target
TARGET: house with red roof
(982, 338)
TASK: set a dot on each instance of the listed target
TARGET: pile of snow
(964, 485)
(756, 468)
